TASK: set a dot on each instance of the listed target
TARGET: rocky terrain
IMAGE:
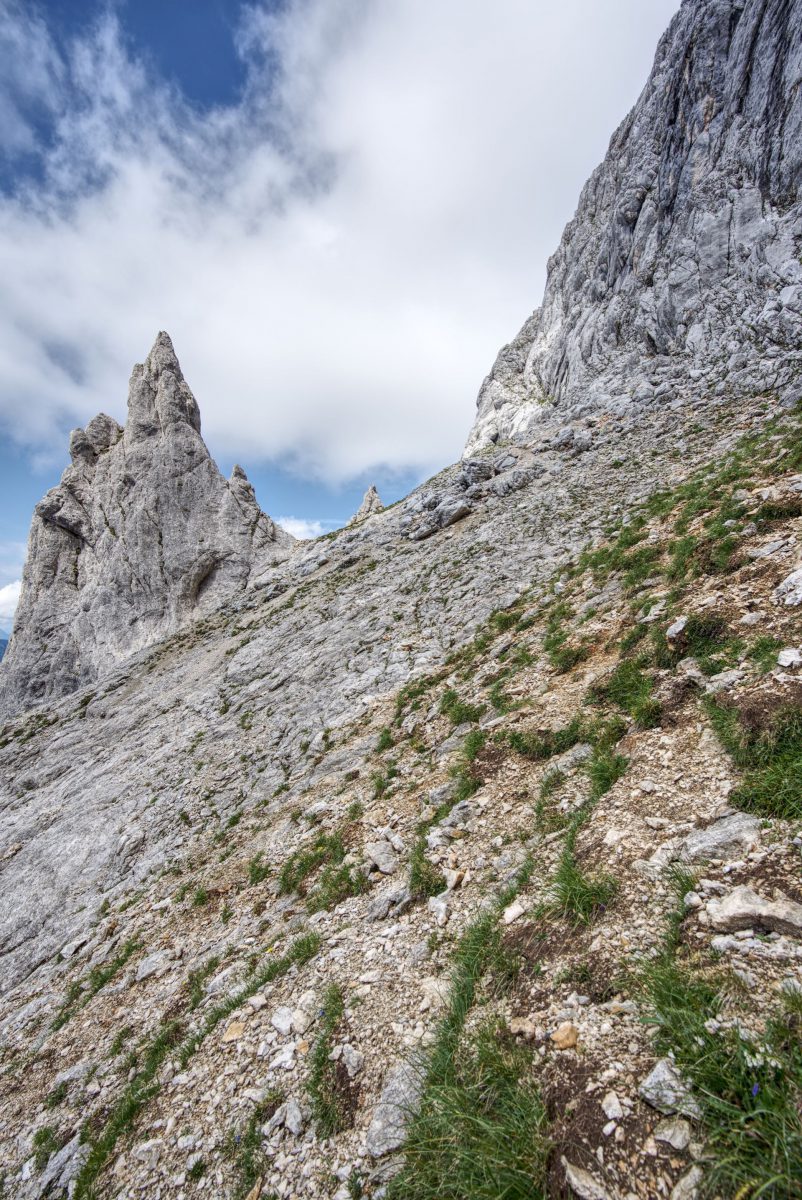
(142, 535)
(454, 854)
(681, 265)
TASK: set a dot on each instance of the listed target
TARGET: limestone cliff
(680, 272)
(141, 535)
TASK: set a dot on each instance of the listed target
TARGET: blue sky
(339, 210)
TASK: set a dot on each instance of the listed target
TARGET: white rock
(282, 1020)
(611, 1107)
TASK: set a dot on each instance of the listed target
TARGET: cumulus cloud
(301, 527)
(339, 255)
(9, 598)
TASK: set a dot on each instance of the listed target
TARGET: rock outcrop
(680, 272)
(142, 535)
(371, 503)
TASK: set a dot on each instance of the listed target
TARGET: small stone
(354, 1060)
(583, 1183)
(687, 1186)
(234, 1031)
(676, 628)
(398, 1099)
(293, 1117)
(438, 907)
(666, 1090)
(565, 1036)
(789, 592)
(512, 912)
(745, 909)
(149, 1152)
(611, 1107)
(282, 1020)
(675, 1131)
(381, 855)
(301, 1020)
(523, 1027)
(790, 657)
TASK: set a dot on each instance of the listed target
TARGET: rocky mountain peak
(142, 535)
(679, 275)
(158, 395)
(371, 503)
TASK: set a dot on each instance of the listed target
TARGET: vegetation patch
(243, 1147)
(80, 992)
(457, 711)
(630, 688)
(764, 737)
(328, 1085)
(748, 1087)
(479, 1131)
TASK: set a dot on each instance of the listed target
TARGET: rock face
(680, 271)
(370, 504)
(142, 535)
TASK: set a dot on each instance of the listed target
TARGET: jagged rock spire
(679, 275)
(371, 503)
(142, 534)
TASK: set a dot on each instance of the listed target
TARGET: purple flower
(755, 1089)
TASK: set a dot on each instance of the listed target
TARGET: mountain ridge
(455, 851)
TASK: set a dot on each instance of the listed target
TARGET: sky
(338, 209)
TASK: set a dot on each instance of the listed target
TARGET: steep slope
(521, 864)
(454, 855)
(680, 272)
(142, 535)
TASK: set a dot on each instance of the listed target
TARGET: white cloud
(300, 527)
(338, 257)
(9, 598)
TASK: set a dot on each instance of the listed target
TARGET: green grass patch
(748, 1088)
(479, 1131)
(457, 711)
(630, 688)
(243, 1147)
(765, 742)
(425, 879)
(336, 883)
(258, 869)
(326, 848)
(763, 653)
(578, 897)
(197, 978)
(539, 745)
(323, 1086)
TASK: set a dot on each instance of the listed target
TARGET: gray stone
(745, 909)
(282, 1020)
(371, 503)
(789, 592)
(397, 1103)
(583, 1183)
(380, 854)
(666, 1090)
(675, 1131)
(293, 1117)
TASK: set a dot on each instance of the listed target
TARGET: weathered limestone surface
(141, 535)
(680, 272)
(371, 503)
